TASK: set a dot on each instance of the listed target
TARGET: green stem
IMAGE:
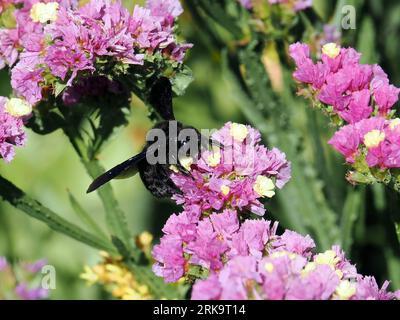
(17, 198)
(115, 217)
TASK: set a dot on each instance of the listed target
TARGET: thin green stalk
(115, 217)
(17, 198)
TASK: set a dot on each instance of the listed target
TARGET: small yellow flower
(225, 190)
(283, 253)
(264, 187)
(239, 131)
(173, 168)
(328, 257)
(18, 107)
(89, 275)
(145, 239)
(308, 268)
(214, 158)
(345, 290)
(269, 267)
(186, 162)
(373, 138)
(44, 12)
(332, 50)
(394, 123)
(339, 273)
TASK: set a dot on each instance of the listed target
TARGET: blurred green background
(47, 167)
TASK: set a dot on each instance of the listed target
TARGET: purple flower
(367, 289)
(252, 238)
(11, 132)
(36, 266)
(238, 278)
(3, 263)
(207, 249)
(170, 263)
(296, 243)
(319, 284)
(358, 108)
(346, 141)
(208, 289)
(26, 293)
(300, 53)
(181, 226)
(253, 170)
(340, 81)
(26, 79)
(302, 5)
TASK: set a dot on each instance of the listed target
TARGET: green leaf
(85, 217)
(366, 42)
(351, 211)
(181, 81)
(45, 119)
(397, 226)
(7, 18)
(33, 208)
(59, 88)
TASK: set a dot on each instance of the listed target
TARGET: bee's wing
(125, 169)
(161, 98)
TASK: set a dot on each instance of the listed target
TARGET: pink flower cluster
(248, 260)
(222, 184)
(376, 137)
(22, 284)
(70, 40)
(359, 94)
(12, 132)
(215, 245)
(286, 275)
(236, 177)
(355, 91)
(297, 5)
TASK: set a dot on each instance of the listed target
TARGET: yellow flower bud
(186, 162)
(328, 257)
(394, 123)
(214, 159)
(264, 187)
(173, 168)
(44, 12)
(373, 138)
(345, 290)
(332, 50)
(18, 107)
(269, 267)
(239, 132)
(225, 190)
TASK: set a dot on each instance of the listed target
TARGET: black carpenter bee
(156, 177)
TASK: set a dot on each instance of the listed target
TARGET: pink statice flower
(23, 280)
(368, 289)
(23, 292)
(64, 42)
(354, 90)
(238, 176)
(294, 242)
(295, 5)
(284, 275)
(170, 262)
(209, 241)
(377, 138)
(12, 133)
